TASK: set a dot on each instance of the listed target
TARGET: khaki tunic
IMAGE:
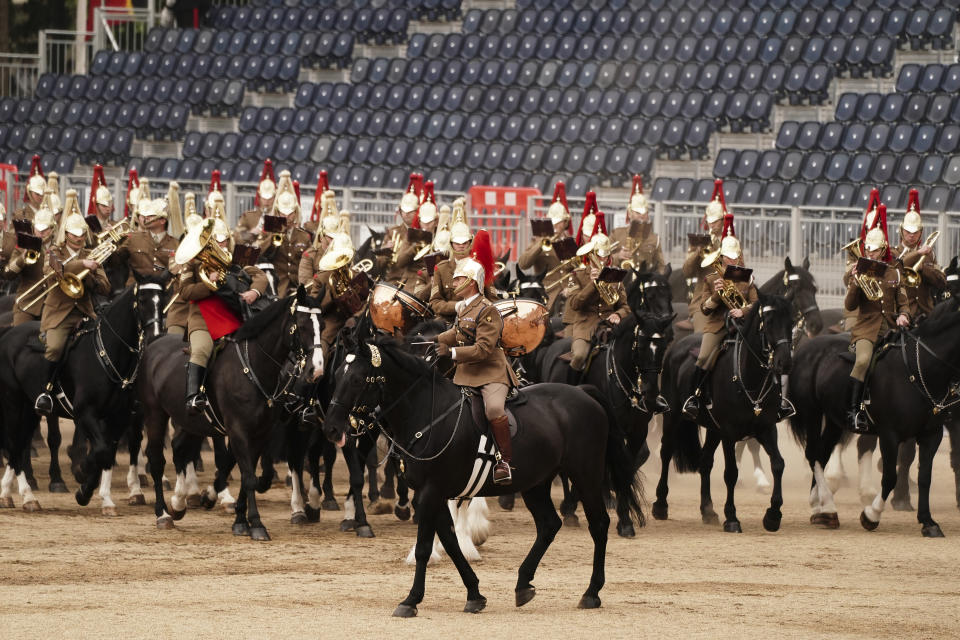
(179, 311)
(647, 249)
(534, 257)
(7, 245)
(586, 309)
(443, 302)
(932, 279)
(192, 289)
(57, 305)
(713, 308)
(286, 257)
(248, 227)
(25, 212)
(874, 317)
(30, 274)
(405, 269)
(333, 316)
(476, 337)
(692, 269)
(145, 255)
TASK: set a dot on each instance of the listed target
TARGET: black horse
(98, 396)
(745, 389)
(799, 287)
(243, 385)
(383, 386)
(911, 388)
(368, 250)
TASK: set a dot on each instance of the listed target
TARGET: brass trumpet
(30, 256)
(277, 239)
(72, 284)
(566, 268)
(729, 294)
(546, 245)
(395, 239)
(911, 275)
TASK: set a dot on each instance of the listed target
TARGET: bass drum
(524, 323)
(396, 311)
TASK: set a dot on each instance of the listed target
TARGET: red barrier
(501, 211)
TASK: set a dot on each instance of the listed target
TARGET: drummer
(397, 262)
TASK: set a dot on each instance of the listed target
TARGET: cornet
(911, 275)
(30, 256)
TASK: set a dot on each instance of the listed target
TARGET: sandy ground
(68, 572)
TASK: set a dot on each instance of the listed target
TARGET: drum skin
(395, 311)
(524, 324)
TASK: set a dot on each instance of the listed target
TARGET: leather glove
(442, 350)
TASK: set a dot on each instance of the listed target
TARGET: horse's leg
(402, 508)
(181, 456)
(901, 492)
(929, 443)
(191, 482)
(329, 458)
(591, 493)
(241, 526)
(768, 440)
(295, 453)
(378, 504)
(568, 506)
(225, 462)
(711, 442)
(156, 429)
(373, 491)
(865, 447)
(389, 478)
(833, 469)
(659, 508)
(107, 505)
(448, 538)
(731, 524)
(6, 487)
(759, 477)
(247, 461)
(54, 439)
(134, 442)
(953, 428)
(357, 473)
(28, 454)
(548, 523)
(314, 450)
(430, 506)
(870, 516)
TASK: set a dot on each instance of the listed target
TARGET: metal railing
(65, 52)
(18, 74)
(121, 29)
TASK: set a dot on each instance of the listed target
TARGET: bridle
(764, 359)
(103, 355)
(919, 380)
(800, 316)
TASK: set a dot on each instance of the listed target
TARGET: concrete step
(761, 141)
(387, 51)
(150, 149)
(276, 100)
(206, 124)
(317, 76)
(454, 26)
(695, 169)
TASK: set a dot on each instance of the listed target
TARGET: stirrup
(860, 423)
(44, 404)
(197, 404)
(660, 405)
(501, 473)
(691, 407)
(787, 410)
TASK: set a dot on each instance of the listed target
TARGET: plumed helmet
(286, 196)
(45, 216)
(75, 225)
(460, 228)
(428, 208)
(912, 222)
(220, 230)
(267, 188)
(36, 182)
(329, 218)
(717, 207)
(470, 268)
(599, 244)
(730, 247)
(875, 240)
(638, 201)
(411, 197)
(559, 211)
(592, 222)
(53, 192)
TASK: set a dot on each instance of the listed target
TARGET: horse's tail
(686, 454)
(621, 473)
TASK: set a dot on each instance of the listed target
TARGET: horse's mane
(260, 321)
(775, 284)
(394, 348)
(626, 325)
(940, 319)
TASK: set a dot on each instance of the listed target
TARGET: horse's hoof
(207, 502)
(525, 595)
(732, 526)
(867, 523)
(402, 513)
(589, 602)
(348, 525)
(298, 518)
(165, 523)
(506, 501)
(405, 611)
(659, 510)
(825, 520)
(475, 606)
(230, 508)
(178, 515)
(260, 534)
(771, 520)
(932, 531)
(110, 512)
(313, 515)
(58, 487)
(82, 500)
(330, 505)
(364, 531)
(380, 507)
(710, 517)
(571, 520)
(6, 503)
(625, 530)
(136, 500)
(31, 507)
(902, 505)
(194, 500)
(241, 529)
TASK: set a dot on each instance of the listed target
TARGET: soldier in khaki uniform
(101, 200)
(30, 273)
(443, 298)
(427, 219)
(250, 223)
(150, 250)
(645, 247)
(873, 317)
(62, 314)
(692, 269)
(178, 310)
(398, 266)
(315, 276)
(911, 249)
(537, 255)
(36, 188)
(474, 345)
(294, 240)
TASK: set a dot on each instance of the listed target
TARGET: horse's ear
(301, 293)
(644, 267)
(667, 270)
(953, 263)
(806, 263)
(787, 264)
(516, 269)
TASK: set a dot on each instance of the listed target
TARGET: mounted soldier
(875, 293)
(150, 250)
(33, 194)
(250, 223)
(101, 200)
(28, 260)
(443, 297)
(922, 276)
(474, 345)
(705, 244)
(638, 243)
(397, 260)
(427, 220)
(283, 241)
(540, 254)
(181, 221)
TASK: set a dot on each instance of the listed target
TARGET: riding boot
(691, 408)
(44, 402)
(196, 398)
(856, 419)
(786, 407)
(501, 434)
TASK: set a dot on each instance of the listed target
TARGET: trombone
(564, 269)
(911, 275)
(46, 284)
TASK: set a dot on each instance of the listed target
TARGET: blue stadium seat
(931, 170)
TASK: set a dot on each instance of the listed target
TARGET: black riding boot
(44, 402)
(501, 434)
(196, 399)
(856, 418)
(691, 408)
(786, 407)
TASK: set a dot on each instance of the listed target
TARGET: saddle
(883, 346)
(35, 344)
(515, 398)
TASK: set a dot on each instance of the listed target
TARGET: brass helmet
(267, 189)
(214, 199)
(53, 193)
(717, 207)
(730, 248)
(599, 244)
(428, 208)
(329, 217)
(411, 197)
(638, 201)
(460, 228)
(912, 222)
(286, 201)
(45, 217)
(875, 240)
(441, 239)
(174, 212)
(559, 211)
(470, 268)
(190, 216)
(72, 219)
(36, 183)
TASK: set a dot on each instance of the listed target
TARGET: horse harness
(918, 380)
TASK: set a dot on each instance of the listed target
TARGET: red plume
(267, 172)
(322, 186)
(428, 195)
(132, 180)
(419, 185)
(98, 181)
(412, 184)
(296, 189)
(215, 181)
(590, 206)
(416, 220)
(913, 200)
(882, 223)
(873, 202)
(728, 226)
(718, 193)
(35, 169)
(560, 195)
(483, 253)
(637, 184)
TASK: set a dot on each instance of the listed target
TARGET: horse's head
(501, 281)
(800, 288)
(530, 286)
(774, 317)
(359, 378)
(952, 272)
(650, 299)
(151, 294)
(307, 326)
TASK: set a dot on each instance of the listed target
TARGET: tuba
(200, 243)
(350, 285)
(911, 275)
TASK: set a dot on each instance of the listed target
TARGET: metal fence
(18, 74)
(121, 29)
(65, 52)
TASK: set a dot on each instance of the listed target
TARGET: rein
(764, 360)
(920, 382)
(103, 355)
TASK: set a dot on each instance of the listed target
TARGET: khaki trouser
(579, 350)
(864, 351)
(494, 396)
(56, 339)
(709, 350)
(19, 317)
(176, 330)
(201, 347)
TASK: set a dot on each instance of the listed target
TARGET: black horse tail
(686, 455)
(621, 475)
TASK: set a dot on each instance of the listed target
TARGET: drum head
(395, 311)
(524, 324)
